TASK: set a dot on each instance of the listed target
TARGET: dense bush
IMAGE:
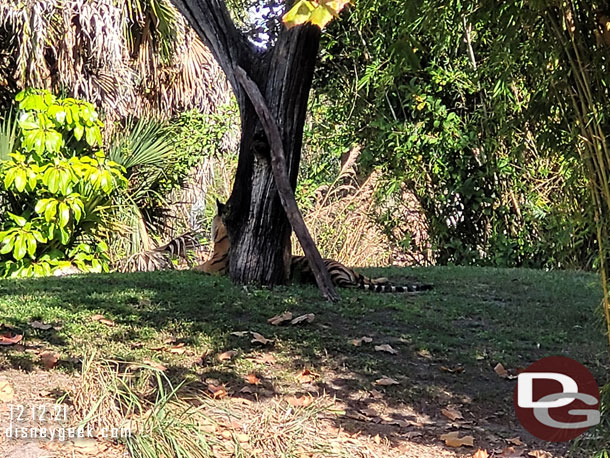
(56, 188)
(452, 100)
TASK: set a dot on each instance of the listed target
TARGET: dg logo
(557, 399)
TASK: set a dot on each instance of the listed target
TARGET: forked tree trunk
(258, 228)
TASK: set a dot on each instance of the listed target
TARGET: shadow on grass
(448, 340)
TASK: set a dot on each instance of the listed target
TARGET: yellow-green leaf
(298, 14)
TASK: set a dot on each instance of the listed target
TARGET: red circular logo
(557, 399)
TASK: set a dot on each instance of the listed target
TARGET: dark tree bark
(258, 228)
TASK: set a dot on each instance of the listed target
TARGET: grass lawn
(448, 340)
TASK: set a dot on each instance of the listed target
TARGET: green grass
(473, 318)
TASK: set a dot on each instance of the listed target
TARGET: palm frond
(142, 143)
(8, 135)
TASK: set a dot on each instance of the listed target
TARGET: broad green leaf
(19, 248)
(20, 220)
(79, 130)
(64, 214)
(20, 180)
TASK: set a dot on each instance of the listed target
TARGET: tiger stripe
(341, 276)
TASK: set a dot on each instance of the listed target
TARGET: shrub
(56, 188)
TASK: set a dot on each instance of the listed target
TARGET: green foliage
(451, 100)
(55, 188)
(159, 158)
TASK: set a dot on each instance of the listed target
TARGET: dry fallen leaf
(302, 401)
(424, 354)
(511, 452)
(540, 454)
(480, 453)
(247, 390)
(252, 379)
(49, 359)
(368, 411)
(258, 338)
(9, 337)
(307, 318)
(306, 376)
(387, 348)
(452, 414)
(499, 369)
(240, 333)
(265, 358)
(361, 340)
(103, 320)
(452, 370)
(40, 325)
(217, 391)
(386, 381)
(155, 365)
(226, 355)
(376, 394)
(280, 319)
(453, 439)
(515, 441)
(177, 349)
(7, 393)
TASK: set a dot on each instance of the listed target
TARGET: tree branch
(284, 189)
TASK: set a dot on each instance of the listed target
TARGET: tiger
(341, 276)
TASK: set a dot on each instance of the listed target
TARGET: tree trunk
(258, 228)
(257, 225)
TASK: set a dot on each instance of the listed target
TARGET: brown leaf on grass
(252, 379)
(361, 340)
(265, 358)
(452, 414)
(499, 369)
(375, 394)
(424, 354)
(280, 319)
(7, 393)
(452, 370)
(226, 355)
(240, 333)
(387, 348)
(511, 452)
(259, 338)
(386, 381)
(368, 411)
(302, 401)
(307, 318)
(40, 325)
(540, 454)
(49, 359)
(480, 453)
(9, 337)
(306, 376)
(155, 365)
(103, 320)
(177, 349)
(453, 439)
(217, 391)
(515, 441)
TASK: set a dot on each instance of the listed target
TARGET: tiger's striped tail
(382, 285)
